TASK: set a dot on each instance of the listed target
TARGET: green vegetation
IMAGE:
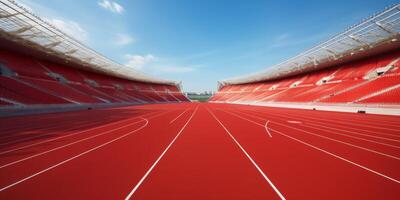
(202, 97)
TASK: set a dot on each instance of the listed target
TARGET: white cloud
(71, 28)
(111, 6)
(138, 61)
(150, 64)
(281, 40)
(123, 39)
(282, 37)
(172, 69)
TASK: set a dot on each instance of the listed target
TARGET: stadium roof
(375, 32)
(23, 27)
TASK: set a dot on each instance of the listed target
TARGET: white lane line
(25, 131)
(294, 122)
(159, 158)
(72, 143)
(32, 127)
(331, 139)
(326, 129)
(266, 128)
(38, 135)
(324, 151)
(69, 135)
(353, 123)
(44, 128)
(313, 121)
(74, 157)
(75, 142)
(248, 156)
(172, 121)
(339, 157)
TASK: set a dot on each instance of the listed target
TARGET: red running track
(200, 151)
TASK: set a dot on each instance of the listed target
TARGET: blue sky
(202, 41)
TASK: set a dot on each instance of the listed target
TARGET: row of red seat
(26, 81)
(371, 80)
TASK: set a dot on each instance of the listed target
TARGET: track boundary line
(66, 145)
(372, 122)
(249, 157)
(71, 134)
(350, 136)
(356, 122)
(44, 128)
(159, 158)
(341, 158)
(338, 126)
(172, 121)
(366, 130)
(48, 126)
(30, 127)
(335, 140)
(74, 157)
(327, 152)
(24, 139)
(294, 122)
(74, 142)
(266, 128)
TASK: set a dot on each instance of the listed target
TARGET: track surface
(200, 151)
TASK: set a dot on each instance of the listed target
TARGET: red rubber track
(200, 151)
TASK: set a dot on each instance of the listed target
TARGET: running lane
(204, 162)
(102, 167)
(306, 166)
(200, 151)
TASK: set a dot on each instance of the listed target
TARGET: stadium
(75, 124)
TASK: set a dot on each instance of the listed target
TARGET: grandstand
(42, 68)
(75, 124)
(357, 70)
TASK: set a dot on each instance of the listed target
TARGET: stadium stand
(59, 70)
(351, 69)
(348, 83)
(25, 81)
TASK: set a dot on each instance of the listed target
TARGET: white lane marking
(74, 157)
(66, 145)
(335, 140)
(339, 157)
(69, 135)
(45, 128)
(159, 158)
(294, 122)
(72, 143)
(357, 123)
(266, 128)
(172, 121)
(313, 121)
(25, 130)
(324, 128)
(27, 138)
(249, 157)
(324, 151)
